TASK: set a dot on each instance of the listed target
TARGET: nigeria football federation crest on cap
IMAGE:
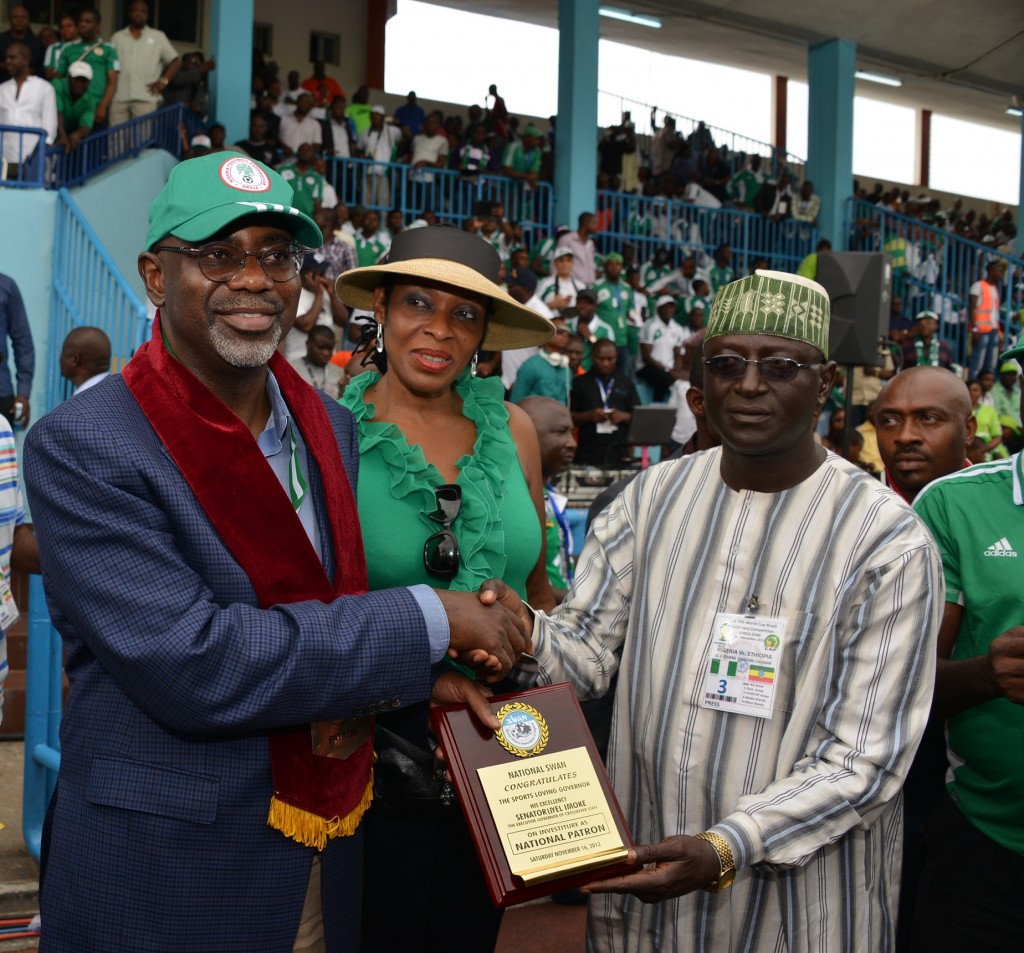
(243, 174)
(522, 730)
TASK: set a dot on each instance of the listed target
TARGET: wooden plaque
(551, 812)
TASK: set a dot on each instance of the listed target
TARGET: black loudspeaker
(859, 286)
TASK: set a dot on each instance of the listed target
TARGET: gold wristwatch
(728, 872)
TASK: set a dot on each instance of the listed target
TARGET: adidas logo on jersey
(1001, 547)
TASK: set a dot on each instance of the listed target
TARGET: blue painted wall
(116, 204)
(26, 255)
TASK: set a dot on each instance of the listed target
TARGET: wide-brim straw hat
(462, 260)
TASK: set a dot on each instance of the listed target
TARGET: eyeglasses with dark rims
(223, 261)
(441, 555)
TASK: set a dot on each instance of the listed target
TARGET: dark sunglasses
(775, 370)
(441, 550)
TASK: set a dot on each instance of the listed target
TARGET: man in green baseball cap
(1005, 394)
(765, 562)
(197, 512)
(202, 196)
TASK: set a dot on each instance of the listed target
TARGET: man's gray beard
(240, 352)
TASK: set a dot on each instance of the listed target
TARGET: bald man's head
(84, 354)
(553, 424)
(924, 424)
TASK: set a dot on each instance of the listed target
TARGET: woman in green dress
(450, 494)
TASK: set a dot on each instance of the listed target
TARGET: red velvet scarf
(315, 797)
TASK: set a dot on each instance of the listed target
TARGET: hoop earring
(379, 345)
(472, 363)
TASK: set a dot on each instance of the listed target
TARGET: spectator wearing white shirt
(429, 151)
(558, 291)
(25, 100)
(807, 205)
(300, 127)
(661, 342)
(319, 304)
(584, 267)
(338, 130)
(379, 143)
(522, 285)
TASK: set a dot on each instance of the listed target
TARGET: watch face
(726, 879)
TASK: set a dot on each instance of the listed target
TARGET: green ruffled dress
(499, 535)
(497, 528)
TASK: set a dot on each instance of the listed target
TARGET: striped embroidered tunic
(12, 514)
(809, 798)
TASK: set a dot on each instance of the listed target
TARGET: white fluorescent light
(640, 19)
(1014, 111)
(878, 78)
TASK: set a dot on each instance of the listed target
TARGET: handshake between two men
(488, 631)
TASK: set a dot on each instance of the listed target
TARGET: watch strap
(725, 859)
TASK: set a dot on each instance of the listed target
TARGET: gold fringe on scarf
(313, 830)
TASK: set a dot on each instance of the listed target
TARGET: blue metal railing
(735, 146)
(23, 161)
(649, 223)
(100, 150)
(88, 289)
(934, 269)
(451, 195)
(44, 671)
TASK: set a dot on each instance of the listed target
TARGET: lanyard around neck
(297, 485)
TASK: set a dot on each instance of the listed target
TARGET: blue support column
(231, 82)
(576, 134)
(830, 69)
(1020, 194)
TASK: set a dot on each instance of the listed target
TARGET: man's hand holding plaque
(537, 800)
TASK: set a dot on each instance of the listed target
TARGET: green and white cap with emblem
(207, 194)
(775, 303)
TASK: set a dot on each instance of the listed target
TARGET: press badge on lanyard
(8, 609)
(606, 426)
(746, 655)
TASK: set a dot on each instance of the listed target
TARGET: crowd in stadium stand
(651, 307)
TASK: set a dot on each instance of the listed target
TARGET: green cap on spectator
(1007, 358)
(613, 256)
(534, 131)
(208, 193)
(774, 303)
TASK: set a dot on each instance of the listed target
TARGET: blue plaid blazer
(157, 835)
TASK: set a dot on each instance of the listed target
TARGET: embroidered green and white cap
(1007, 358)
(208, 193)
(774, 303)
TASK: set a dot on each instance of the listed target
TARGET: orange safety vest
(987, 309)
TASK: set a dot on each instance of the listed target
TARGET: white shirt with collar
(34, 104)
(91, 382)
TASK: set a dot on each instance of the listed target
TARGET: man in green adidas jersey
(970, 890)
